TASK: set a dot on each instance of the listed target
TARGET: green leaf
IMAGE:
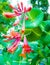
(45, 39)
(35, 16)
(33, 45)
(48, 63)
(45, 26)
(46, 50)
(1, 59)
(33, 34)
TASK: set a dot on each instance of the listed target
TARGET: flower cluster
(17, 12)
(16, 35)
(13, 35)
(26, 48)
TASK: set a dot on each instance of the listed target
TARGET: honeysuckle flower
(21, 9)
(21, 13)
(26, 48)
(12, 48)
(13, 35)
(18, 11)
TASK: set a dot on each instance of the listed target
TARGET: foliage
(37, 31)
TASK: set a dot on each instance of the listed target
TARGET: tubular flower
(26, 48)
(12, 48)
(17, 11)
(20, 10)
(9, 15)
(13, 35)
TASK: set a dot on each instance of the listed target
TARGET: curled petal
(9, 15)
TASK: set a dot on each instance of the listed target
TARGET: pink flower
(12, 48)
(13, 35)
(26, 48)
(9, 15)
(17, 12)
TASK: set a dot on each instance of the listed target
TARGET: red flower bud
(28, 9)
(9, 15)
(21, 5)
